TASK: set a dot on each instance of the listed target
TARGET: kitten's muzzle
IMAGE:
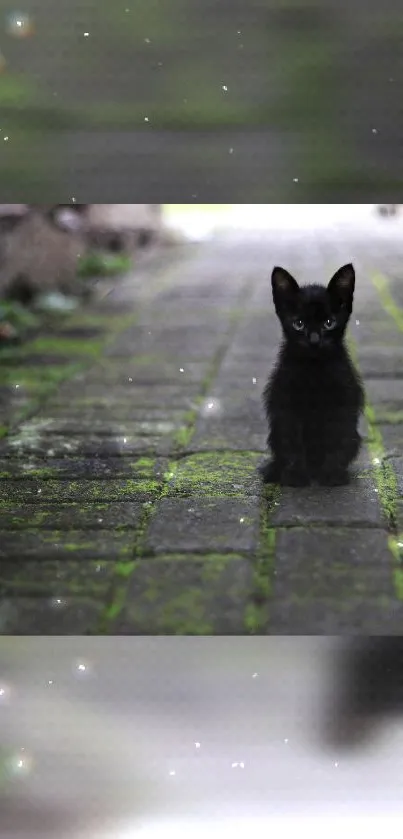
(314, 339)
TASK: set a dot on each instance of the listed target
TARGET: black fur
(314, 397)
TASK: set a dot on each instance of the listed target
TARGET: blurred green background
(265, 100)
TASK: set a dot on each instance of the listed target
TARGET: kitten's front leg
(289, 467)
(342, 447)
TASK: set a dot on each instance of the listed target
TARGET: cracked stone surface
(130, 441)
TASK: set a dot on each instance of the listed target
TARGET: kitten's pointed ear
(283, 283)
(342, 285)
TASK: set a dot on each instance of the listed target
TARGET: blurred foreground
(202, 100)
(112, 738)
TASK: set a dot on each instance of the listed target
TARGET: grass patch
(98, 264)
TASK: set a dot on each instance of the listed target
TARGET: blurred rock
(40, 246)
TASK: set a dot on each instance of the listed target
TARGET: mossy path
(131, 436)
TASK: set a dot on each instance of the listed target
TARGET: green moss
(99, 264)
(384, 473)
(66, 346)
(396, 549)
(385, 417)
(38, 378)
(145, 464)
(182, 437)
(382, 286)
(212, 474)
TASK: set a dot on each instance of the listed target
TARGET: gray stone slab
(169, 396)
(392, 436)
(66, 517)
(314, 565)
(236, 403)
(356, 505)
(227, 435)
(89, 445)
(397, 464)
(56, 545)
(385, 393)
(111, 412)
(207, 525)
(58, 580)
(181, 372)
(187, 596)
(376, 616)
(79, 491)
(92, 468)
(42, 616)
(378, 362)
(82, 425)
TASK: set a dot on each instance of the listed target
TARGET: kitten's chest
(313, 388)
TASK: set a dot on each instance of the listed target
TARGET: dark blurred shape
(367, 688)
(388, 210)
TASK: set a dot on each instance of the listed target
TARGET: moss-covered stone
(182, 596)
(229, 474)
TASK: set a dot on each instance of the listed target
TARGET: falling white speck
(181, 370)
(240, 765)
(224, 87)
(231, 151)
(241, 521)
(130, 380)
(86, 34)
(254, 380)
(5, 139)
(198, 745)
(125, 440)
(400, 544)
(296, 180)
(376, 461)
(146, 119)
(357, 323)
(336, 765)
(172, 773)
(147, 41)
(255, 676)
(17, 387)
(286, 741)
(374, 130)
(100, 521)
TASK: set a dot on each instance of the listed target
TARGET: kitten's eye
(299, 325)
(330, 323)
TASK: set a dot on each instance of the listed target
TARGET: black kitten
(314, 397)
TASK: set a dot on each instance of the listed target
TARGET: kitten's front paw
(334, 478)
(270, 472)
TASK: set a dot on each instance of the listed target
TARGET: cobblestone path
(130, 501)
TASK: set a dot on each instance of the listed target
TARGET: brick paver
(130, 498)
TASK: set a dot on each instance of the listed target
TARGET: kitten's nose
(315, 338)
